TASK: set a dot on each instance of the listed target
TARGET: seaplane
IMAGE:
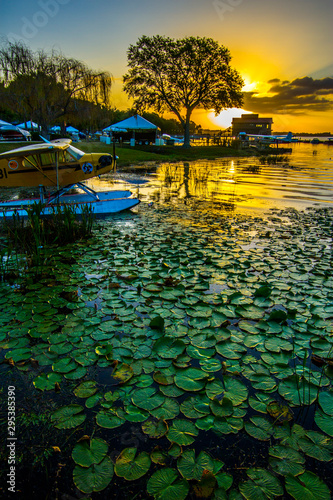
(267, 139)
(59, 165)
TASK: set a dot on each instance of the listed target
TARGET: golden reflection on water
(233, 183)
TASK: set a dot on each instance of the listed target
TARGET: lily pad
(307, 486)
(87, 452)
(182, 432)
(193, 468)
(68, 417)
(262, 485)
(132, 466)
(93, 478)
(166, 485)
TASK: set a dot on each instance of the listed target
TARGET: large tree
(44, 87)
(180, 75)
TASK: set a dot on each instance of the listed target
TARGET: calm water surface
(237, 184)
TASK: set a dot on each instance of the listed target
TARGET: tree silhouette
(181, 75)
(44, 87)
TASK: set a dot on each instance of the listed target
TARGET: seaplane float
(60, 165)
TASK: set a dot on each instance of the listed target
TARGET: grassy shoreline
(132, 156)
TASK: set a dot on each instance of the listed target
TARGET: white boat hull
(107, 202)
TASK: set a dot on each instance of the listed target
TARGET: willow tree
(44, 87)
(181, 75)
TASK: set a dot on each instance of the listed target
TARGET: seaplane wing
(55, 163)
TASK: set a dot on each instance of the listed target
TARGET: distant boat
(61, 165)
(315, 140)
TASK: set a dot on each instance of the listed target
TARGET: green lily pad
(68, 417)
(46, 382)
(182, 432)
(307, 486)
(193, 468)
(93, 478)
(86, 389)
(326, 402)
(262, 485)
(123, 373)
(155, 428)
(87, 452)
(166, 485)
(132, 466)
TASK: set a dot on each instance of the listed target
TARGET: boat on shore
(60, 165)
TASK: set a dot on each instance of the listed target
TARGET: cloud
(296, 97)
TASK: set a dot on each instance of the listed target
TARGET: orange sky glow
(283, 50)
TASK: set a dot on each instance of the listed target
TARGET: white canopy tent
(135, 122)
(135, 129)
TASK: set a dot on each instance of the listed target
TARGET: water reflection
(238, 184)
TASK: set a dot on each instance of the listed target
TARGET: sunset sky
(283, 49)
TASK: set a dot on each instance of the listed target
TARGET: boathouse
(252, 124)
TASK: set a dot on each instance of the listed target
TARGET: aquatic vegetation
(176, 338)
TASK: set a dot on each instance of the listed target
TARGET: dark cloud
(297, 97)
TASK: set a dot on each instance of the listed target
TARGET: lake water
(303, 179)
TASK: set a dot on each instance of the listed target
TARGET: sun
(224, 119)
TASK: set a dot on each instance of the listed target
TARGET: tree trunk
(187, 129)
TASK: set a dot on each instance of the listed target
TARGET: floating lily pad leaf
(277, 315)
(175, 450)
(223, 408)
(162, 379)
(199, 323)
(147, 399)
(277, 344)
(108, 420)
(93, 400)
(188, 409)
(260, 402)
(64, 365)
(326, 402)
(46, 382)
(171, 391)
(68, 417)
(169, 348)
(76, 374)
(157, 323)
(123, 373)
(324, 422)
(316, 445)
(263, 291)
(93, 478)
(224, 480)
(17, 355)
(191, 379)
(132, 466)
(158, 457)
(286, 460)
(227, 425)
(205, 487)
(85, 389)
(211, 365)
(205, 423)
(233, 389)
(165, 485)
(167, 411)
(259, 428)
(155, 428)
(280, 413)
(298, 391)
(193, 468)
(230, 350)
(182, 432)
(307, 486)
(262, 485)
(87, 452)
